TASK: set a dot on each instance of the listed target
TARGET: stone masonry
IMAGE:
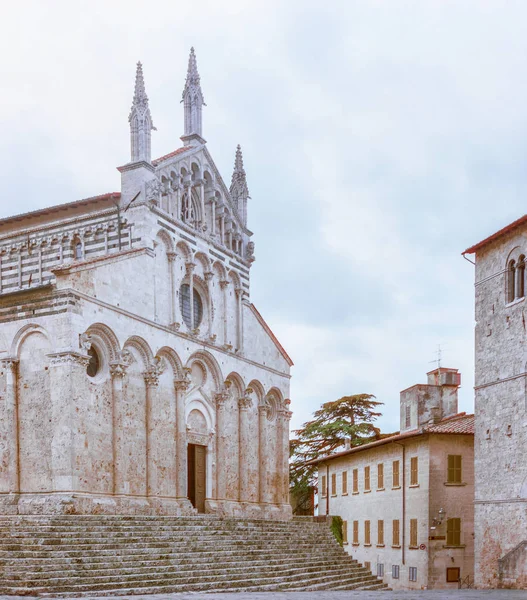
(501, 408)
(136, 375)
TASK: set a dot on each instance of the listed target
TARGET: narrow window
(414, 478)
(511, 283)
(380, 569)
(344, 532)
(366, 479)
(408, 416)
(367, 538)
(395, 533)
(380, 476)
(412, 574)
(520, 277)
(355, 481)
(453, 532)
(395, 474)
(413, 533)
(344, 482)
(395, 571)
(324, 486)
(333, 484)
(380, 533)
(454, 468)
(78, 251)
(355, 532)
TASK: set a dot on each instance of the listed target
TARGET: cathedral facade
(136, 375)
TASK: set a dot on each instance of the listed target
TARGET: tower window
(192, 316)
(78, 251)
(520, 277)
(511, 283)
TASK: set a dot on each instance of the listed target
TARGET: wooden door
(197, 476)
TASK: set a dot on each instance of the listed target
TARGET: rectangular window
(395, 474)
(412, 574)
(395, 533)
(413, 533)
(367, 538)
(344, 482)
(380, 570)
(355, 532)
(355, 481)
(454, 468)
(344, 532)
(453, 574)
(380, 533)
(380, 476)
(414, 477)
(407, 416)
(333, 484)
(324, 486)
(367, 479)
(453, 532)
(395, 571)
(367, 565)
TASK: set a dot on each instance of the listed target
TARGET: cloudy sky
(381, 139)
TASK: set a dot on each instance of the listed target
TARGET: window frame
(454, 471)
(367, 532)
(414, 471)
(396, 533)
(396, 474)
(380, 532)
(380, 476)
(324, 486)
(367, 479)
(333, 484)
(355, 533)
(453, 532)
(414, 537)
(344, 483)
(355, 477)
(412, 573)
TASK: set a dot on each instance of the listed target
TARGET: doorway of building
(197, 476)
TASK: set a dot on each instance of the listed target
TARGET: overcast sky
(380, 139)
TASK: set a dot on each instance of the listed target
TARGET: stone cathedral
(136, 375)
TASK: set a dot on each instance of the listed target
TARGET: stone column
(221, 450)
(213, 211)
(263, 461)
(208, 278)
(277, 493)
(244, 443)
(10, 365)
(223, 285)
(117, 371)
(202, 202)
(222, 229)
(190, 270)
(181, 386)
(151, 376)
(67, 395)
(171, 260)
(286, 416)
(239, 328)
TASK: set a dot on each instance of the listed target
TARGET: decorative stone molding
(85, 342)
(224, 283)
(118, 370)
(171, 256)
(263, 409)
(190, 266)
(184, 382)
(209, 275)
(69, 357)
(154, 370)
(9, 363)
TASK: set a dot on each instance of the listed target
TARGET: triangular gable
(270, 333)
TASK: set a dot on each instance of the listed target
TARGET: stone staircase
(122, 555)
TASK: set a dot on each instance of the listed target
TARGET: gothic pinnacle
(239, 189)
(192, 83)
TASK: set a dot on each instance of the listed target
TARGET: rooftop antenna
(437, 361)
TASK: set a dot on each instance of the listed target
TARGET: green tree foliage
(349, 417)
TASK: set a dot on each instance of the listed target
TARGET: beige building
(137, 376)
(501, 408)
(407, 500)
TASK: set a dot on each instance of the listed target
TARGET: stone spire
(193, 102)
(140, 120)
(239, 190)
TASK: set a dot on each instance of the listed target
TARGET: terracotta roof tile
(461, 423)
(170, 155)
(494, 236)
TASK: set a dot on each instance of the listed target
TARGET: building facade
(137, 376)
(407, 500)
(501, 408)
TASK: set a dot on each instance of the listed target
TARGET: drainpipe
(403, 537)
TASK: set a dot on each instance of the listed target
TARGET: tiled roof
(461, 423)
(110, 197)
(494, 236)
(457, 424)
(156, 161)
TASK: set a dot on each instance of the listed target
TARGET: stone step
(200, 582)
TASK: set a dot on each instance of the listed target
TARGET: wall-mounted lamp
(437, 521)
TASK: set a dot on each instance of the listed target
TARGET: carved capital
(118, 370)
(263, 410)
(84, 342)
(171, 256)
(190, 266)
(151, 377)
(223, 284)
(223, 395)
(209, 275)
(125, 357)
(245, 402)
(9, 363)
(239, 292)
(183, 383)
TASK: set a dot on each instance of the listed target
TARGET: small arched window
(511, 281)
(520, 277)
(192, 314)
(77, 249)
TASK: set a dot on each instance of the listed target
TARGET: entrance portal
(197, 476)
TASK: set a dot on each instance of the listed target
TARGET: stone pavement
(321, 595)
